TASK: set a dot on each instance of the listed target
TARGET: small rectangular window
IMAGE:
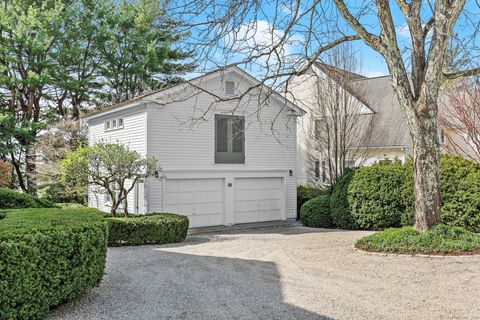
(120, 123)
(229, 87)
(114, 123)
(317, 170)
(229, 139)
(107, 125)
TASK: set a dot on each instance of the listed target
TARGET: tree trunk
(31, 170)
(19, 174)
(125, 203)
(426, 170)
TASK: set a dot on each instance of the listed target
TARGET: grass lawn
(442, 240)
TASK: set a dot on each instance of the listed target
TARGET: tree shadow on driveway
(149, 282)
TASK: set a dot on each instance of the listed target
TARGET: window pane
(120, 122)
(221, 133)
(238, 132)
(114, 123)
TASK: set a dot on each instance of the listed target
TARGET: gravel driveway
(278, 273)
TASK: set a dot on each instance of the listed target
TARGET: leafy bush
(316, 213)
(11, 199)
(374, 196)
(460, 187)
(307, 192)
(339, 206)
(442, 239)
(5, 174)
(59, 192)
(381, 196)
(149, 229)
(48, 256)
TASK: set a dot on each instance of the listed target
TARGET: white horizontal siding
(180, 143)
(133, 135)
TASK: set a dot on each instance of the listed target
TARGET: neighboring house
(224, 160)
(382, 133)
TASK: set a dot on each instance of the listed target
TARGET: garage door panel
(202, 200)
(258, 199)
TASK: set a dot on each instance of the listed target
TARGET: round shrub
(160, 228)
(307, 192)
(460, 188)
(374, 196)
(381, 195)
(316, 213)
(48, 256)
(11, 199)
(339, 206)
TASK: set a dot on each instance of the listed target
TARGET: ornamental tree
(109, 168)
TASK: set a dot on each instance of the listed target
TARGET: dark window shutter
(221, 133)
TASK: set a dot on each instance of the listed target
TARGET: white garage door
(258, 199)
(202, 200)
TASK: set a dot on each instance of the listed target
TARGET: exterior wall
(302, 92)
(133, 135)
(373, 156)
(181, 136)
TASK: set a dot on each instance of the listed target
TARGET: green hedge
(339, 206)
(11, 199)
(307, 192)
(375, 196)
(316, 213)
(381, 195)
(48, 256)
(159, 228)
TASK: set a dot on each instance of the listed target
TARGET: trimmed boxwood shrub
(48, 256)
(307, 192)
(375, 196)
(160, 228)
(460, 187)
(316, 213)
(339, 207)
(381, 195)
(11, 199)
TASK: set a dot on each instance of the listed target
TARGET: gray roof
(388, 127)
(389, 124)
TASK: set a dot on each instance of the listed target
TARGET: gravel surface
(278, 273)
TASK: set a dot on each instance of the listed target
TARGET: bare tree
(341, 125)
(459, 118)
(275, 38)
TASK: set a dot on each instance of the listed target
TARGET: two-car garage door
(209, 202)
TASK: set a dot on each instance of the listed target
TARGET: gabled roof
(137, 100)
(389, 127)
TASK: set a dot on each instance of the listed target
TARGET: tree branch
(464, 73)
(369, 38)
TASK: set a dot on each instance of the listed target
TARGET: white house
(226, 145)
(377, 110)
